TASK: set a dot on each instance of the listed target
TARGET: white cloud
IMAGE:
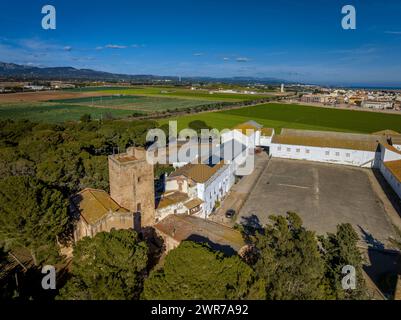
(242, 59)
(115, 46)
(67, 48)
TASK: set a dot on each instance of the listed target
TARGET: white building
(390, 167)
(374, 104)
(331, 147)
(209, 183)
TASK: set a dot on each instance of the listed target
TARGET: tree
(289, 260)
(109, 266)
(339, 250)
(194, 271)
(86, 117)
(31, 216)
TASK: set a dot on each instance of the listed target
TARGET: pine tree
(194, 271)
(289, 260)
(109, 266)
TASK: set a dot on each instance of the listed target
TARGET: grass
(94, 89)
(297, 117)
(185, 94)
(136, 103)
(43, 112)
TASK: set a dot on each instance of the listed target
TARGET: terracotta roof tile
(93, 204)
(341, 140)
(395, 168)
(171, 198)
(197, 172)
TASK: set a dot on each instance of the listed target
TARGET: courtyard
(324, 195)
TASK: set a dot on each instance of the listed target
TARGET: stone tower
(132, 185)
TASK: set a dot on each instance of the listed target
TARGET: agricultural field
(71, 104)
(53, 113)
(297, 117)
(136, 103)
(185, 94)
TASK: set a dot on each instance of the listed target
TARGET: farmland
(136, 103)
(66, 105)
(185, 94)
(42, 112)
(298, 117)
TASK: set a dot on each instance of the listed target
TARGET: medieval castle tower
(132, 184)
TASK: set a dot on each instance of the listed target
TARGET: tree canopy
(339, 250)
(69, 156)
(109, 266)
(289, 260)
(31, 216)
(194, 271)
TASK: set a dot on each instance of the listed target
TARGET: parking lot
(324, 195)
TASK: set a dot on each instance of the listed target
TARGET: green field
(298, 117)
(185, 94)
(136, 103)
(95, 89)
(42, 112)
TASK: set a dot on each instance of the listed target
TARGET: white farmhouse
(209, 183)
(332, 147)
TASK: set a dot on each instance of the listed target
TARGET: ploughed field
(279, 116)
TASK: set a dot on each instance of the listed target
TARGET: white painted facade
(386, 156)
(358, 158)
(392, 181)
(216, 188)
(176, 208)
(265, 141)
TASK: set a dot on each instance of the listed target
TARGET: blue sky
(287, 39)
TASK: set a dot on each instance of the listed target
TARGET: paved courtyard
(324, 195)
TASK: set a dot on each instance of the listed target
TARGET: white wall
(177, 208)
(172, 185)
(394, 183)
(210, 192)
(329, 155)
(388, 155)
(265, 141)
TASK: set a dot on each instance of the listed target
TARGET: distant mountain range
(12, 70)
(24, 72)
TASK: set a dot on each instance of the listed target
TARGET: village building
(130, 205)
(95, 211)
(332, 147)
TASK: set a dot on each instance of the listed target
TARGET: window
(279, 148)
(298, 150)
(348, 155)
(327, 153)
(138, 207)
(307, 151)
(288, 149)
(337, 154)
(139, 179)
